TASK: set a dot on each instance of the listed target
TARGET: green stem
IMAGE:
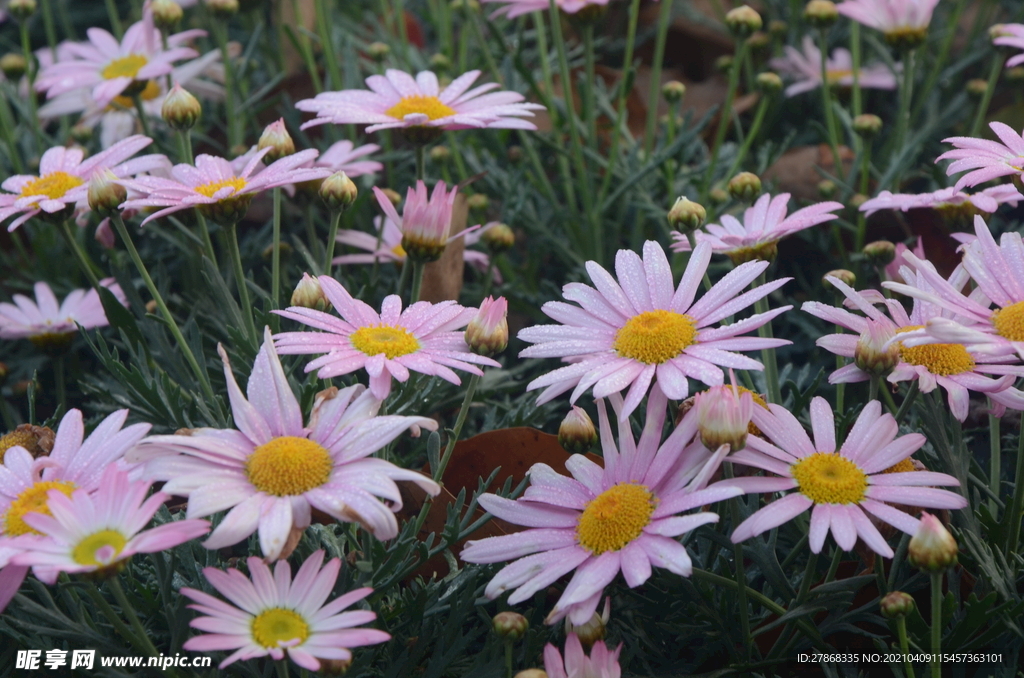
(724, 118)
(620, 106)
(30, 73)
(403, 277)
(1017, 504)
(234, 129)
(332, 238)
(281, 668)
(275, 255)
(421, 162)
(403, 31)
(741, 575)
(908, 400)
(7, 129)
(51, 29)
(826, 99)
(137, 98)
(887, 396)
(474, 381)
(58, 377)
(83, 259)
(122, 629)
(771, 367)
(508, 658)
(856, 104)
(133, 619)
(901, 629)
(865, 178)
(664, 21)
(589, 102)
(323, 25)
(936, 624)
(993, 77)
(940, 59)
(995, 462)
(748, 141)
(243, 288)
(115, 18)
(548, 96)
(417, 281)
(489, 276)
(873, 389)
(906, 94)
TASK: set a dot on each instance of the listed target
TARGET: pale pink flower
(273, 614)
(397, 99)
(622, 517)
(91, 531)
(423, 338)
(723, 416)
(950, 198)
(40, 320)
(514, 8)
(425, 222)
(1010, 35)
(487, 332)
(109, 67)
(274, 470)
(602, 662)
(626, 332)
(890, 16)
(985, 159)
(842, 488)
(63, 181)
(892, 270)
(213, 185)
(804, 68)
(764, 224)
(345, 157)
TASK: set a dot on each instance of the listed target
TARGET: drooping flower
(985, 160)
(623, 517)
(841, 487)
(99, 531)
(273, 614)
(946, 200)
(902, 22)
(423, 338)
(625, 333)
(957, 368)
(64, 176)
(602, 662)
(514, 8)
(425, 222)
(804, 69)
(397, 99)
(1011, 35)
(49, 324)
(764, 224)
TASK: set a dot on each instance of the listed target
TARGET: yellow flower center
(428, 106)
(387, 339)
(277, 625)
(905, 466)
(838, 74)
(16, 438)
(150, 92)
(54, 185)
(827, 478)
(32, 500)
(85, 552)
(237, 183)
(653, 337)
(125, 67)
(940, 359)
(288, 466)
(615, 517)
(1009, 321)
(399, 251)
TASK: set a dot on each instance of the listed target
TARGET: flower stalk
(725, 117)
(664, 20)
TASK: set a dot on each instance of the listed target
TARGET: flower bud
(440, 154)
(151, 306)
(998, 31)
(378, 51)
(686, 215)
(498, 238)
(745, 186)
(392, 195)
(515, 154)
(976, 88)
(867, 125)
(21, 9)
(532, 673)
(768, 83)
(723, 63)
(440, 63)
(777, 28)
(821, 13)
(932, 548)
(842, 274)
(827, 188)
(874, 353)
(896, 604)
(1015, 74)
(718, 195)
(329, 668)
(309, 294)
(743, 21)
(673, 91)
(880, 252)
(487, 332)
(904, 38)
(4, 371)
(758, 41)
(576, 433)
(105, 235)
(105, 194)
(222, 9)
(511, 625)
(13, 66)
(275, 137)
(856, 200)
(338, 192)
(181, 110)
(166, 14)
(723, 416)
(593, 630)
(478, 201)
(462, 5)
(81, 133)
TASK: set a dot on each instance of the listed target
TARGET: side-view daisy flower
(902, 22)
(946, 200)
(623, 517)
(841, 487)
(423, 338)
(764, 224)
(273, 614)
(272, 471)
(804, 68)
(397, 99)
(985, 160)
(514, 8)
(426, 221)
(52, 325)
(1009, 35)
(602, 662)
(98, 531)
(344, 156)
(626, 332)
(63, 180)
(892, 270)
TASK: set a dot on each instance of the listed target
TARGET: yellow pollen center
(399, 251)
(838, 74)
(827, 478)
(905, 466)
(125, 67)
(54, 185)
(940, 359)
(387, 339)
(238, 183)
(151, 91)
(85, 552)
(288, 466)
(615, 517)
(277, 625)
(653, 337)
(32, 500)
(15, 438)
(1009, 321)
(432, 107)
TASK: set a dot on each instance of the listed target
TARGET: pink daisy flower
(602, 662)
(985, 159)
(804, 67)
(764, 224)
(214, 187)
(1010, 35)
(63, 182)
(842, 487)
(111, 68)
(893, 18)
(514, 8)
(626, 332)
(623, 517)
(957, 368)
(396, 99)
(273, 614)
(47, 323)
(345, 157)
(892, 270)
(425, 222)
(946, 200)
(100, 530)
(424, 338)
(273, 471)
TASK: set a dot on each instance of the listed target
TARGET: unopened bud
(769, 83)
(576, 433)
(686, 215)
(511, 625)
(338, 192)
(998, 31)
(718, 195)
(896, 605)
(151, 306)
(976, 87)
(515, 154)
(867, 124)
(105, 194)
(222, 9)
(856, 200)
(478, 201)
(932, 548)
(743, 21)
(166, 14)
(81, 133)
(843, 275)
(821, 13)
(723, 415)
(441, 63)
(758, 40)
(673, 91)
(906, 38)
(330, 668)
(440, 154)
(309, 294)
(827, 188)
(745, 186)
(777, 28)
(4, 371)
(13, 66)
(275, 137)
(21, 9)
(723, 63)
(875, 353)
(180, 110)
(392, 195)
(378, 51)
(880, 252)
(105, 235)
(487, 332)
(498, 238)
(532, 673)
(462, 5)
(594, 629)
